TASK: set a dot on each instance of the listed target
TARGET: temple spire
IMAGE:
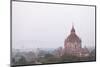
(73, 30)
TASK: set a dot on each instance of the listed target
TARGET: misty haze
(44, 31)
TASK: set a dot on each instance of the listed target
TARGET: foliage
(21, 61)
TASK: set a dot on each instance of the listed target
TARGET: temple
(73, 45)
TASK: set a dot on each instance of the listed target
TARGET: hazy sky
(37, 25)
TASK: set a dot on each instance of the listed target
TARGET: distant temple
(72, 45)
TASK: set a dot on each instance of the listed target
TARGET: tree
(21, 61)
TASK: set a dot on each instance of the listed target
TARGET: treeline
(44, 57)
